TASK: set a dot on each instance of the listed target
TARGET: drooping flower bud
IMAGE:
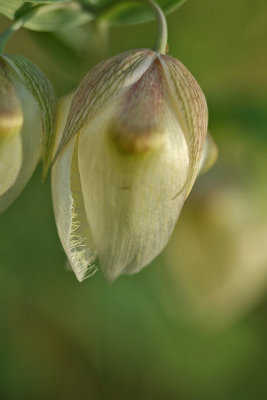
(128, 156)
(11, 120)
(27, 113)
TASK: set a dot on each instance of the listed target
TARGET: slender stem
(104, 13)
(162, 38)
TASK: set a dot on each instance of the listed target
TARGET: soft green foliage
(48, 16)
(9, 7)
(62, 14)
(47, 1)
(62, 17)
(121, 12)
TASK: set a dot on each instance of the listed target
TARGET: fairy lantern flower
(130, 148)
(27, 111)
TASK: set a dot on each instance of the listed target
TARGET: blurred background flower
(217, 255)
(193, 325)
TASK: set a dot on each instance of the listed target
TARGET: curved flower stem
(104, 13)
(162, 38)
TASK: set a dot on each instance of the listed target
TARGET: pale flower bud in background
(130, 148)
(27, 114)
(226, 273)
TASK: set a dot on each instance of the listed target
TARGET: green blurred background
(193, 324)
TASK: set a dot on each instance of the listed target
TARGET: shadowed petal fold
(191, 107)
(30, 143)
(27, 116)
(10, 160)
(100, 86)
(69, 211)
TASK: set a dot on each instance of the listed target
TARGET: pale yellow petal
(191, 108)
(63, 108)
(11, 120)
(10, 160)
(31, 142)
(11, 117)
(43, 93)
(132, 201)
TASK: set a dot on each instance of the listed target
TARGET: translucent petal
(31, 138)
(191, 107)
(11, 117)
(10, 160)
(138, 124)
(70, 216)
(11, 121)
(44, 95)
(63, 108)
(132, 201)
(101, 85)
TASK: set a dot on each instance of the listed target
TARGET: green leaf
(62, 17)
(53, 16)
(47, 1)
(8, 8)
(65, 14)
(65, 60)
(119, 12)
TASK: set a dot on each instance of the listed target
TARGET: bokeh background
(193, 324)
